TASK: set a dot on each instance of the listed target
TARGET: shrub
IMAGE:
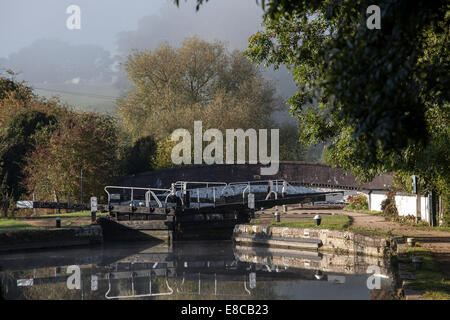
(358, 202)
(388, 205)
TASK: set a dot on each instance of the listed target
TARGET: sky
(24, 21)
(36, 42)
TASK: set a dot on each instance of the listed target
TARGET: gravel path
(437, 241)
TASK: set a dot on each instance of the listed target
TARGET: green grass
(8, 225)
(429, 279)
(339, 221)
(364, 211)
(78, 214)
(372, 232)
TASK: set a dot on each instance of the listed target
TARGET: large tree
(379, 98)
(198, 81)
(17, 143)
(83, 141)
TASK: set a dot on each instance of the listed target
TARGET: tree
(290, 147)
(83, 141)
(9, 88)
(377, 98)
(173, 87)
(16, 144)
(162, 158)
(198, 81)
(136, 158)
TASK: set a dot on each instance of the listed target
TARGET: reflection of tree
(8, 288)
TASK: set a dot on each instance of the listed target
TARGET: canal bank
(338, 241)
(50, 238)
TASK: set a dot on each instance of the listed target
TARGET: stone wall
(330, 240)
(326, 262)
(53, 238)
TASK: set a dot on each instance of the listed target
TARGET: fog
(81, 65)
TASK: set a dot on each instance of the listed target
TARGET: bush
(358, 202)
(388, 205)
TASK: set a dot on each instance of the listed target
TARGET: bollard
(417, 261)
(58, 222)
(285, 210)
(317, 219)
(411, 242)
(277, 216)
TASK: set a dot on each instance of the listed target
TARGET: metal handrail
(149, 191)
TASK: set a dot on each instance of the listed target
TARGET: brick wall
(290, 171)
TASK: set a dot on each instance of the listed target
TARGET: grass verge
(429, 279)
(364, 211)
(338, 221)
(78, 214)
(8, 225)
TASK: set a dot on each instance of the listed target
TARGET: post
(418, 209)
(93, 209)
(82, 182)
(251, 204)
(416, 191)
(34, 209)
(58, 222)
(68, 202)
(432, 198)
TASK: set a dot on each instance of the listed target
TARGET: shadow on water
(188, 270)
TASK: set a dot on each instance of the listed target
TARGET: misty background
(83, 67)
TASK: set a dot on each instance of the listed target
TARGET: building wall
(406, 204)
(376, 199)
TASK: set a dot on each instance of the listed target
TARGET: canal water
(191, 270)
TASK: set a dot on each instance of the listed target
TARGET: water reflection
(191, 270)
